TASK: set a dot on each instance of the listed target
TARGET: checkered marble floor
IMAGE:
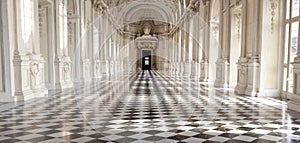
(148, 106)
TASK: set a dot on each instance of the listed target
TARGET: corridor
(148, 106)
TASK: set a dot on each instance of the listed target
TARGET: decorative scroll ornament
(238, 24)
(70, 32)
(273, 7)
(42, 14)
(100, 6)
(195, 5)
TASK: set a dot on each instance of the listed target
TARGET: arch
(165, 11)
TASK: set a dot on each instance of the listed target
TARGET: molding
(273, 8)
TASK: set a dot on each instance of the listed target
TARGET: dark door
(146, 59)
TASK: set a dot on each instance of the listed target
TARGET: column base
(240, 89)
(23, 95)
(194, 70)
(104, 71)
(23, 71)
(177, 68)
(37, 76)
(64, 85)
(97, 70)
(250, 91)
(63, 73)
(253, 72)
(294, 103)
(222, 80)
(181, 69)
(86, 71)
(242, 76)
(187, 69)
(203, 69)
(111, 68)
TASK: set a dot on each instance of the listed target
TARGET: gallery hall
(149, 71)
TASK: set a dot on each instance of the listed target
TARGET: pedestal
(22, 76)
(86, 70)
(203, 71)
(37, 76)
(222, 78)
(187, 69)
(242, 76)
(177, 68)
(172, 69)
(294, 103)
(253, 78)
(193, 69)
(97, 70)
(181, 69)
(111, 68)
(63, 73)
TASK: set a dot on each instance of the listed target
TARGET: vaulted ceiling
(130, 12)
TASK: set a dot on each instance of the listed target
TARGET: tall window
(291, 42)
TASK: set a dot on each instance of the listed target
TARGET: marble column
(77, 52)
(206, 43)
(63, 65)
(195, 54)
(104, 47)
(253, 64)
(179, 53)
(37, 75)
(126, 52)
(227, 40)
(185, 64)
(223, 60)
(242, 63)
(165, 66)
(174, 60)
(95, 62)
(21, 61)
(219, 72)
(189, 46)
(173, 54)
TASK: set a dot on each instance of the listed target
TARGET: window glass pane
(284, 79)
(295, 8)
(288, 2)
(290, 79)
(294, 41)
(286, 46)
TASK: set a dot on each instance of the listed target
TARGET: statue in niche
(147, 29)
(147, 40)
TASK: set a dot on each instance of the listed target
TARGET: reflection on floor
(148, 107)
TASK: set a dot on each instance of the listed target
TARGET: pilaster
(242, 76)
